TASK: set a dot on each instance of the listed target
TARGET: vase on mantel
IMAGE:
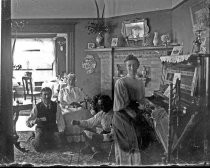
(100, 39)
(155, 39)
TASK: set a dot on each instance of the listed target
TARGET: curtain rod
(30, 35)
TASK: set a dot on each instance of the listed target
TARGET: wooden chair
(28, 89)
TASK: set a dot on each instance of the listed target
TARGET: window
(34, 53)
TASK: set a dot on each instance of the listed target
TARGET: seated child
(100, 127)
(94, 107)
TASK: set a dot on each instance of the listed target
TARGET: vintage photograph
(91, 45)
(93, 83)
(114, 42)
(200, 15)
(177, 50)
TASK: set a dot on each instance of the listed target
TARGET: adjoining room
(101, 82)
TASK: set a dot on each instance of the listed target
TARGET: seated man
(100, 120)
(49, 121)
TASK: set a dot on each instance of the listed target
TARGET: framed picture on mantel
(114, 42)
(91, 45)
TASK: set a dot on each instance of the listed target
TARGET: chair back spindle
(28, 88)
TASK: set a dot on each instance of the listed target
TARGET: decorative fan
(89, 64)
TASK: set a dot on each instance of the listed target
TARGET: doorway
(32, 26)
(41, 55)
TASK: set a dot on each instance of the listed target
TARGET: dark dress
(127, 90)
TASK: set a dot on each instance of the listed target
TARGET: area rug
(68, 154)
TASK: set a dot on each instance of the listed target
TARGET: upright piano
(181, 106)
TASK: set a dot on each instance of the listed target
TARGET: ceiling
(85, 8)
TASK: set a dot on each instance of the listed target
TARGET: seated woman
(99, 125)
(71, 98)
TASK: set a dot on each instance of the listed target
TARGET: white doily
(175, 59)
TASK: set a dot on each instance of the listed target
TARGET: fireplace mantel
(130, 48)
(111, 57)
(139, 52)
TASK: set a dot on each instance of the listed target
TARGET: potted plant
(99, 27)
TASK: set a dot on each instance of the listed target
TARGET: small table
(17, 107)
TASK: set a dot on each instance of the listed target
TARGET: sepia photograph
(177, 50)
(200, 15)
(114, 42)
(80, 86)
(91, 45)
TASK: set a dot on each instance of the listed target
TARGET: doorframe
(31, 26)
(6, 115)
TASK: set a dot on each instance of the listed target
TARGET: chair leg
(14, 96)
(110, 151)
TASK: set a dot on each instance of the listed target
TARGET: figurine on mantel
(145, 75)
(144, 72)
(165, 39)
(119, 71)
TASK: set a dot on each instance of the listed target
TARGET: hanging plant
(99, 24)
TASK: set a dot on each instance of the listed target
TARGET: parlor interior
(183, 132)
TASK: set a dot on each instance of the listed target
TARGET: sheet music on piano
(175, 77)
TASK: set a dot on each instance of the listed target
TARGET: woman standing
(128, 93)
(70, 98)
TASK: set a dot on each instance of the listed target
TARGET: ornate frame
(135, 30)
(199, 12)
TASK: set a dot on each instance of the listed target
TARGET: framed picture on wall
(200, 15)
(91, 45)
(114, 42)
